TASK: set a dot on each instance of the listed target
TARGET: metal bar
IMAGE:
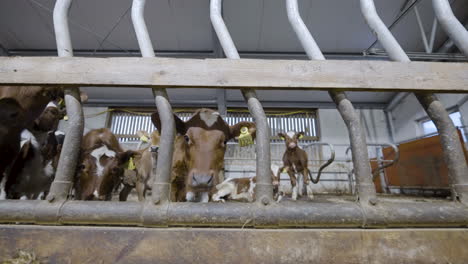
(285, 214)
(451, 25)
(161, 187)
(366, 190)
(449, 44)
(63, 181)
(421, 29)
(453, 151)
(433, 35)
(264, 187)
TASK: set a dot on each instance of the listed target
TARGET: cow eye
(187, 139)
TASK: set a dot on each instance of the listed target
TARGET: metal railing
(368, 212)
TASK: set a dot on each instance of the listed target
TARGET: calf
(294, 163)
(199, 152)
(101, 166)
(139, 177)
(242, 189)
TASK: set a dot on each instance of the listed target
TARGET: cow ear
(123, 157)
(179, 124)
(300, 135)
(282, 136)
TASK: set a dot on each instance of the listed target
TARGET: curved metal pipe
(63, 181)
(161, 187)
(264, 187)
(366, 189)
(454, 29)
(452, 148)
(326, 164)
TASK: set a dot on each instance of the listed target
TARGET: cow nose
(202, 180)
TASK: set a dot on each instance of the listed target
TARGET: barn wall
(406, 115)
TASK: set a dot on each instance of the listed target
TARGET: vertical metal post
(63, 181)
(264, 187)
(453, 151)
(365, 187)
(451, 25)
(161, 186)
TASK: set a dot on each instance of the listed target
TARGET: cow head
(99, 179)
(49, 119)
(205, 135)
(291, 139)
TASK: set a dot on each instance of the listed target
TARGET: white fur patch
(2, 189)
(209, 118)
(51, 104)
(294, 193)
(309, 191)
(26, 136)
(49, 170)
(58, 133)
(205, 197)
(190, 196)
(251, 187)
(291, 134)
(98, 153)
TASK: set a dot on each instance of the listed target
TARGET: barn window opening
(124, 123)
(429, 128)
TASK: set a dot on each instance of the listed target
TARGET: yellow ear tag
(144, 139)
(285, 170)
(245, 138)
(61, 102)
(301, 136)
(131, 164)
(65, 118)
(282, 138)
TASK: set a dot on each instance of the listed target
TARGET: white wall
(406, 115)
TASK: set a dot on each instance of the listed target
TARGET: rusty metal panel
(76, 244)
(421, 166)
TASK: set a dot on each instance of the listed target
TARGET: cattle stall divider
(369, 212)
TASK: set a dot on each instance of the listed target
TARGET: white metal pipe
(138, 19)
(365, 186)
(451, 25)
(161, 188)
(421, 29)
(264, 188)
(221, 30)
(386, 39)
(71, 146)
(433, 35)
(448, 44)
(62, 32)
(308, 43)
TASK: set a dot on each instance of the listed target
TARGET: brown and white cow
(295, 162)
(199, 150)
(140, 176)
(243, 189)
(101, 166)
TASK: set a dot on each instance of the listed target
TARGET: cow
(199, 149)
(139, 176)
(101, 166)
(32, 171)
(295, 162)
(12, 122)
(242, 189)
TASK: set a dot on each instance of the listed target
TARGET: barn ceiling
(259, 29)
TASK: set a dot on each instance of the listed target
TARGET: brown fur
(87, 178)
(294, 160)
(199, 151)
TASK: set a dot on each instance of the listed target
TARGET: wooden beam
(244, 73)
